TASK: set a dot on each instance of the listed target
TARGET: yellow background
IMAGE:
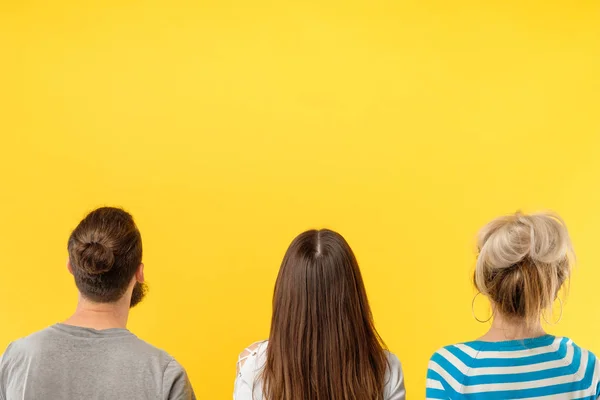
(228, 127)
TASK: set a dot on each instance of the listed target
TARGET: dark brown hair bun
(105, 250)
(94, 258)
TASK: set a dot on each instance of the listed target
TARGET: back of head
(105, 250)
(323, 343)
(523, 261)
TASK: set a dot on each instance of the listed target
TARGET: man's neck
(100, 316)
(511, 329)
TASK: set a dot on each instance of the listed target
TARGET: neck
(100, 316)
(504, 328)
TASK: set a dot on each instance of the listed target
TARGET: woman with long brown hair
(323, 344)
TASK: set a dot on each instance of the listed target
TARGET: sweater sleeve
(5, 364)
(435, 382)
(176, 385)
(395, 389)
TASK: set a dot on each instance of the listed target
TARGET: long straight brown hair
(323, 344)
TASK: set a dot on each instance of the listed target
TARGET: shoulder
(52, 339)
(252, 353)
(394, 383)
(251, 360)
(568, 350)
(568, 342)
(30, 343)
(584, 363)
(175, 379)
(582, 354)
(443, 352)
(155, 355)
(175, 382)
(446, 368)
(451, 361)
(20, 353)
(393, 362)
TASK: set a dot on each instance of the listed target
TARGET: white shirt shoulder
(250, 362)
(394, 388)
(248, 385)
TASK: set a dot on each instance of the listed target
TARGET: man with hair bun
(92, 355)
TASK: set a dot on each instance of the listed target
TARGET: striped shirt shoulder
(546, 367)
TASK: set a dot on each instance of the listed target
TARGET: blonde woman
(523, 262)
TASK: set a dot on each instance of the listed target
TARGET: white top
(253, 358)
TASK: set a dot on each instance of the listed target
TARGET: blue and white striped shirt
(546, 367)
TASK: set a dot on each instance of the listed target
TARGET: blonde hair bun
(523, 261)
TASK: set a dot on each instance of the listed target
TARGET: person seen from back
(523, 262)
(92, 355)
(323, 344)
